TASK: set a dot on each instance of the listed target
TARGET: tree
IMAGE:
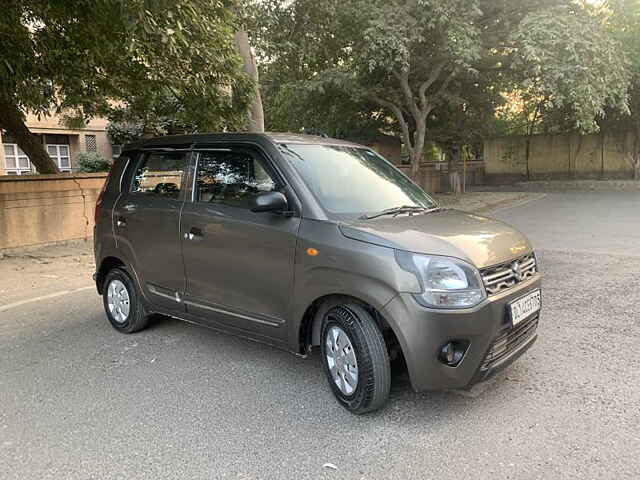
(404, 56)
(625, 26)
(296, 43)
(567, 58)
(85, 57)
(435, 71)
(462, 120)
(466, 113)
(256, 116)
(569, 69)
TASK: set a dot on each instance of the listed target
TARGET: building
(61, 143)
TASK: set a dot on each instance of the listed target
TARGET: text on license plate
(524, 307)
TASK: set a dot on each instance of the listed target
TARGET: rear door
(239, 264)
(147, 224)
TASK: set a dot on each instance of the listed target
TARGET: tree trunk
(526, 155)
(634, 156)
(418, 150)
(634, 159)
(12, 121)
(414, 172)
(256, 118)
(455, 181)
(413, 141)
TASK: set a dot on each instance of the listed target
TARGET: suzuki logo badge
(517, 272)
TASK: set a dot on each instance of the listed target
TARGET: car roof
(203, 138)
(309, 139)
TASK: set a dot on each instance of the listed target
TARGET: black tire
(374, 371)
(137, 318)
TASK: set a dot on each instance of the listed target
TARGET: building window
(90, 143)
(60, 155)
(16, 161)
(56, 139)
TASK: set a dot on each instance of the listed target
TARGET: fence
(557, 156)
(40, 209)
(433, 177)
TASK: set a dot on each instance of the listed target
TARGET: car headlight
(446, 282)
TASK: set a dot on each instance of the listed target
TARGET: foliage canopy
(83, 57)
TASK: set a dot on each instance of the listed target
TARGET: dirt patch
(45, 270)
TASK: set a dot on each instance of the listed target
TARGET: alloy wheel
(118, 301)
(341, 360)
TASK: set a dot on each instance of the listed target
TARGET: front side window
(16, 161)
(351, 181)
(160, 174)
(231, 177)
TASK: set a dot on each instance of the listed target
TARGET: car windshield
(352, 181)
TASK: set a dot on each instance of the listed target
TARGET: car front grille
(506, 275)
(509, 341)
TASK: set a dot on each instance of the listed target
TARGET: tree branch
(403, 78)
(446, 82)
(422, 90)
(397, 111)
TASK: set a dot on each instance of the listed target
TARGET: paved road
(80, 401)
(594, 222)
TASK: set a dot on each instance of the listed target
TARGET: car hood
(479, 240)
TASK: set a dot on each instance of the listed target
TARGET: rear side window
(160, 174)
(231, 177)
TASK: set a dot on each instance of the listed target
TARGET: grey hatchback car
(300, 242)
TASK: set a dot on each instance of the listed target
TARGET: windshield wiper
(410, 209)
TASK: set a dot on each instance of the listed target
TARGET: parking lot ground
(80, 401)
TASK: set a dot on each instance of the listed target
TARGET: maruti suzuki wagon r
(301, 242)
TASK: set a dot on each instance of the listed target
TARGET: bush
(89, 162)
(121, 133)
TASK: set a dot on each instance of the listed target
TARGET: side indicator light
(312, 252)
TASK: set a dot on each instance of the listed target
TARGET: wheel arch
(310, 324)
(106, 265)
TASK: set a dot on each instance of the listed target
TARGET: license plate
(524, 307)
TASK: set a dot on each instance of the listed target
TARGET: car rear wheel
(122, 303)
(355, 358)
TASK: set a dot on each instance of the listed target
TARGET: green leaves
(90, 162)
(91, 55)
(567, 59)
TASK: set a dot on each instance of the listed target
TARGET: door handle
(195, 233)
(129, 207)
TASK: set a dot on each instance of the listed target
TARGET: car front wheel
(355, 358)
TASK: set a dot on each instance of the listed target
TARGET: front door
(147, 225)
(239, 264)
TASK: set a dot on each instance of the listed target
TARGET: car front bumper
(493, 342)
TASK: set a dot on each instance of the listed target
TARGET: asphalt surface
(81, 401)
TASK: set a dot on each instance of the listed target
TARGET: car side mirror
(269, 202)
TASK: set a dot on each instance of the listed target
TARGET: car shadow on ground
(309, 371)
